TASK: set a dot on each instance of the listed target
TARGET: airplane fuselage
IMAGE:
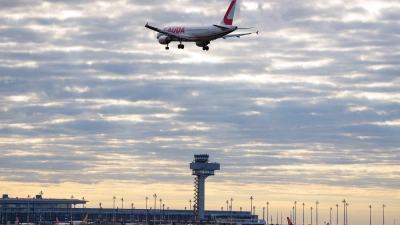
(198, 33)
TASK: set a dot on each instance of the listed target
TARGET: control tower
(201, 168)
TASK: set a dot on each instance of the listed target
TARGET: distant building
(45, 210)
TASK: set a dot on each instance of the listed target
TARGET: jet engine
(164, 40)
(202, 43)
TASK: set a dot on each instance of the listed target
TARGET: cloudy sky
(308, 110)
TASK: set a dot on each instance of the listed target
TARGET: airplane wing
(179, 36)
(238, 35)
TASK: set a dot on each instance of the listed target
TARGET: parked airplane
(201, 34)
(288, 221)
(83, 222)
(58, 222)
(17, 220)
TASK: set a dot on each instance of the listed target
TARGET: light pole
(99, 210)
(316, 212)
(383, 208)
(263, 213)
(122, 210)
(254, 210)
(147, 198)
(344, 211)
(113, 209)
(133, 213)
(72, 197)
(267, 211)
(41, 197)
(337, 214)
(330, 216)
(311, 215)
(27, 219)
(190, 204)
(292, 213)
(303, 211)
(370, 214)
(160, 209)
(155, 206)
(251, 212)
(347, 204)
(83, 199)
(295, 212)
(277, 221)
(231, 209)
(227, 208)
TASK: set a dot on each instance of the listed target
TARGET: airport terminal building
(40, 210)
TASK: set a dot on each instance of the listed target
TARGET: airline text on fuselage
(175, 30)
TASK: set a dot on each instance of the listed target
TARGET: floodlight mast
(201, 168)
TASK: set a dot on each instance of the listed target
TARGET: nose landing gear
(181, 46)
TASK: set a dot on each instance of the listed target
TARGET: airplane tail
(85, 220)
(57, 221)
(288, 221)
(228, 18)
(17, 220)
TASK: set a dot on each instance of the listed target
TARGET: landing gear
(167, 48)
(181, 46)
(205, 46)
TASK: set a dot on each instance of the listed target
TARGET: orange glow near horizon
(281, 197)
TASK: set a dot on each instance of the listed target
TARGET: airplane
(58, 222)
(201, 34)
(288, 221)
(17, 220)
(83, 222)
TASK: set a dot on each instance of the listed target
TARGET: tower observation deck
(201, 168)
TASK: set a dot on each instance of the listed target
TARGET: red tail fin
(288, 221)
(17, 220)
(228, 18)
(57, 221)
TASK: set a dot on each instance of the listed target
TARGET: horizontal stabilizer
(221, 26)
(238, 35)
(241, 28)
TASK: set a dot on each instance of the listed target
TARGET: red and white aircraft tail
(289, 221)
(228, 18)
